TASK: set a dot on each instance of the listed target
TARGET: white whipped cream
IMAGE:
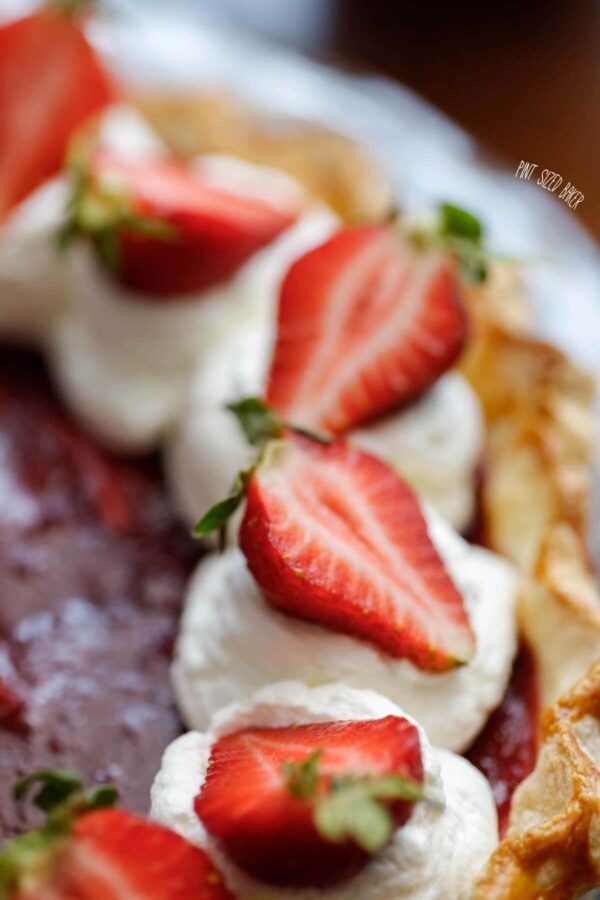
(438, 852)
(123, 362)
(435, 443)
(232, 642)
(31, 270)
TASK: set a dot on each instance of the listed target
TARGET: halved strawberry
(308, 805)
(50, 83)
(87, 852)
(366, 323)
(115, 855)
(163, 228)
(332, 535)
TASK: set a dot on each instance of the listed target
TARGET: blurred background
(522, 77)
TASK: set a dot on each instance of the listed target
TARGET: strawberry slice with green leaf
(366, 323)
(333, 536)
(51, 82)
(161, 228)
(460, 233)
(89, 851)
(310, 805)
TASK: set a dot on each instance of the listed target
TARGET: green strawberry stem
(258, 421)
(355, 807)
(260, 425)
(101, 209)
(460, 233)
(301, 778)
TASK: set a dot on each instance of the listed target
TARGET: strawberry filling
(506, 749)
(93, 567)
(274, 796)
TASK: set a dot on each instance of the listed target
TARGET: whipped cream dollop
(123, 361)
(437, 853)
(31, 271)
(232, 642)
(435, 443)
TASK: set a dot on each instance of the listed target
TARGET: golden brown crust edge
(552, 849)
(331, 167)
(536, 491)
(537, 483)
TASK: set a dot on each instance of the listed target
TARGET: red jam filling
(93, 566)
(506, 749)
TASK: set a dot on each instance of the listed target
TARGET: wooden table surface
(523, 78)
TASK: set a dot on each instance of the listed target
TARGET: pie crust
(552, 848)
(537, 480)
(331, 166)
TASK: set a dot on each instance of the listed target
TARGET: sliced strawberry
(271, 793)
(50, 83)
(366, 323)
(333, 536)
(87, 851)
(167, 230)
(115, 855)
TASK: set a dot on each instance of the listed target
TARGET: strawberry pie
(388, 477)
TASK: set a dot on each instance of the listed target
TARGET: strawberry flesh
(365, 325)
(269, 833)
(114, 855)
(332, 535)
(50, 83)
(215, 231)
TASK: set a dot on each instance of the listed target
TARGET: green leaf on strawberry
(258, 421)
(54, 787)
(460, 233)
(354, 807)
(217, 517)
(459, 223)
(260, 425)
(301, 778)
(101, 208)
